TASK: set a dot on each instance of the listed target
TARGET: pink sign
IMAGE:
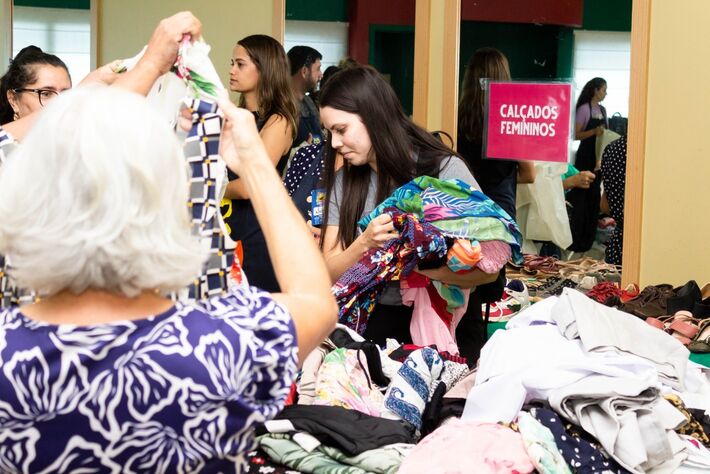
(529, 121)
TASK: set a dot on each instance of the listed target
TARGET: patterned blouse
(176, 392)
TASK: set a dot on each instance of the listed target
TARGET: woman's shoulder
(453, 167)
(248, 305)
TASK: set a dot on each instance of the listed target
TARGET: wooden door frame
(636, 141)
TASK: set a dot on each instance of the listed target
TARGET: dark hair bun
(27, 52)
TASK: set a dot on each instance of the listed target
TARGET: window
(605, 54)
(64, 32)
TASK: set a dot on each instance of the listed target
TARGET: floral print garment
(178, 392)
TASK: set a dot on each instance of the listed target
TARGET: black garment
(439, 409)
(471, 332)
(389, 321)
(243, 225)
(498, 178)
(583, 206)
(341, 338)
(614, 179)
(350, 431)
(308, 123)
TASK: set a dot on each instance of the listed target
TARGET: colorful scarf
(455, 208)
(358, 289)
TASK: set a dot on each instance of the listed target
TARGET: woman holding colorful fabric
(383, 150)
(260, 72)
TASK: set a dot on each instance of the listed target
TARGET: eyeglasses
(43, 95)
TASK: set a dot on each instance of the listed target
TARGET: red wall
(545, 12)
(363, 13)
(379, 12)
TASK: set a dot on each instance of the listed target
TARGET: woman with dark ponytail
(32, 80)
(590, 122)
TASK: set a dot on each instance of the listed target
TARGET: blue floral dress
(176, 392)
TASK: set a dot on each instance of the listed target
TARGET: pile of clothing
(440, 222)
(359, 408)
(570, 386)
(605, 377)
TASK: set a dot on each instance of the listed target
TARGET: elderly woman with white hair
(105, 372)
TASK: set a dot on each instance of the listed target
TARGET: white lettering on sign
(520, 114)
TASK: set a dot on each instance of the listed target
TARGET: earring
(15, 115)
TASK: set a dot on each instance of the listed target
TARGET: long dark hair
(23, 71)
(486, 63)
(588, 91)
(395, 139)
(274, 86)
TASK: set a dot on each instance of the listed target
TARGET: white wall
(330, 38)
(60, 31)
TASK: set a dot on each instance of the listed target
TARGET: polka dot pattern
(581, 455)
(614, 180)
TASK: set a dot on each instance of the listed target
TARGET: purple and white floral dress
(176, 392)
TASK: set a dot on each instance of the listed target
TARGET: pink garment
(427, 327)
(494, 255)
(480, 448)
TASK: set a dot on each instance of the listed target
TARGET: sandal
(683, 326)
(701, 342)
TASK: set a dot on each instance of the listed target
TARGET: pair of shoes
(515, 298)
(685, 298)
(701, 343)
(559, 288)
(605, 222)
(605, 293)
(701, 309)
(540, 264)
(630, 292)
(682, 325)
(651, 301)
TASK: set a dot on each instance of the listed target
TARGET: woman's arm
(378, 231)
(526, 172)
(470, 279)
(276, 135)
(298, 264)
(157, 60)
(580, 134)
(160, 53)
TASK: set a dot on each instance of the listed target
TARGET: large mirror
(582, 41)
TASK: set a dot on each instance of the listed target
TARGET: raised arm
(161, 52)
(157, 60)
(298, 264)
(339, 259)
(276, 135)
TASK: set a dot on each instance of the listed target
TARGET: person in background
(126, 380)
(329, 72)
(304, 173)
(613, 173)
(590, 122)
(260, 72)
(382, 150)
(33, 79)
(498, 178)
(306, 72)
